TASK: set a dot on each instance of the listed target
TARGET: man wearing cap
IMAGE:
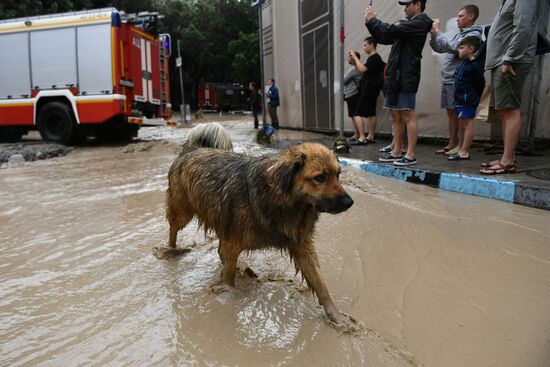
(407, 38)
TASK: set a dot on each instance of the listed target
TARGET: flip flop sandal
(359, 142)
(452, 151)
(492, 163)
(457, 157)
(442, 151)
(499, 169)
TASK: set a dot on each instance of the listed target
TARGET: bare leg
(468, 136)
(511, 127)
(359, 127)
(409, 118)
(355, 131)
(305, 260)
(398, 129)
(372, 127)
(453, 129)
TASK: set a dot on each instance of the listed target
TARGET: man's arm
(442, 43)
(525, 15)
(386, 33)
(359, 66)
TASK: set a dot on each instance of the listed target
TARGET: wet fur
(251, 203)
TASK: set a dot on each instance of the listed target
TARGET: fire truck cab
(96, 72)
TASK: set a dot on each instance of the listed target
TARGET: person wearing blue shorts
(469, 84)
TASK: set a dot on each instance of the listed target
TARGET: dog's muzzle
(334, 205)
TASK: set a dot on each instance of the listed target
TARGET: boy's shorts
(405, 102)
(506, 89)
(448, 96)
(465, 112)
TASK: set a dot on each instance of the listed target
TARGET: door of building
(317, 65)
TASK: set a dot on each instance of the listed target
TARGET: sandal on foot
(499, 169)
(442, 151)
(492, 163)
(458, 157)
(452, 151)
(359, 142)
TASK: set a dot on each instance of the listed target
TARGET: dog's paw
(220, 288)
(346, 324)
(168, 252)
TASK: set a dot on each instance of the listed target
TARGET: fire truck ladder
(163, 81)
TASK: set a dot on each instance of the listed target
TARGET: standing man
(273, 95)
(511, 47)
(407, 38)
(447, 43)
(372, 79)
(255, 102)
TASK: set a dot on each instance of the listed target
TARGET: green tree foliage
(246, 58)
(219, 38)
(208, 30)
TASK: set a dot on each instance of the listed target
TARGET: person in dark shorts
(372, 80)
(352, 79)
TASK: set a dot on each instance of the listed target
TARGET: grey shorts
(506, 89)
(405, 101)
(448, 96)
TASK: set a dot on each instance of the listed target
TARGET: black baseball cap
(405, 2)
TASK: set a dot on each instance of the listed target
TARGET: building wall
(432, 120)
(286, 60)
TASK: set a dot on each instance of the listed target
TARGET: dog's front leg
(305, 260)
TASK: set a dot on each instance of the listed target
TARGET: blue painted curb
(505, 190)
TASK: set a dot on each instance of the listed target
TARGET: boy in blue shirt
(469, 84)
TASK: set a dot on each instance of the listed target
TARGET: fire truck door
(143, 74)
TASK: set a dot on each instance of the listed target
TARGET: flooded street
(438, 279)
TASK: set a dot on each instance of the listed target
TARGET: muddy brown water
(438, 279)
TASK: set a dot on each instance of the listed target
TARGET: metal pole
(183, 112)
(537, 80)
(341, 68)
(261, 61)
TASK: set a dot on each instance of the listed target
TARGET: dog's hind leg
(177, 219)
(305, 259)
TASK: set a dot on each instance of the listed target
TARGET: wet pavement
(438, 278)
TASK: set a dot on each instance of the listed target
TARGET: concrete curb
(511, 191)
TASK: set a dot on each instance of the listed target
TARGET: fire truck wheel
(56, 123)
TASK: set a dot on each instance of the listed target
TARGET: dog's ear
(286, 169)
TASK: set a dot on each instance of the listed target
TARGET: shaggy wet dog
(252, 203)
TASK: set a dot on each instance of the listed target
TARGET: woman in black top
(372, 80)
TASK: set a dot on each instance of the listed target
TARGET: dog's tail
(210, 135)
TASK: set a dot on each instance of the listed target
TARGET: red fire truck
(96, 72)
(223, 97)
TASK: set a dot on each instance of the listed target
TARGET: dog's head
(310, 173)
